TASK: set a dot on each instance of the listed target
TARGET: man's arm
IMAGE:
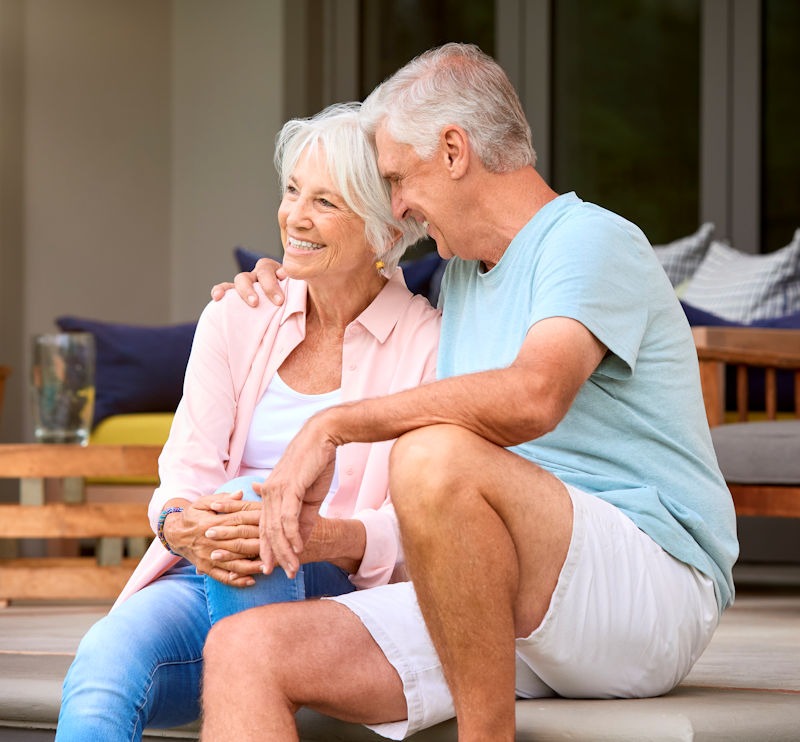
(506, 406)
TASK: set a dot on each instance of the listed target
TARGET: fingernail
(277, 299)
(216, 505)
(215, 555)
(211, 533)
(251, 300)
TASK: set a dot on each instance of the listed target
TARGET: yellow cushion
(139, 429)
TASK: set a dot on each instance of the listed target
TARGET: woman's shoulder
(407, 309)
(232, 308)
(416, 325)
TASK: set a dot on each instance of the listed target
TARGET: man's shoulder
(597, 220)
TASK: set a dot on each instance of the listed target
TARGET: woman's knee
(243, 484)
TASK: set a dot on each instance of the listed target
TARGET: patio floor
(745, 687)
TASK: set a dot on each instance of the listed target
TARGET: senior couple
(545, 478)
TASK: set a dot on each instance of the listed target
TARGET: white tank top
(278, 417)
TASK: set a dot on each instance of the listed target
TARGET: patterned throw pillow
(681, 258)
(743, 287)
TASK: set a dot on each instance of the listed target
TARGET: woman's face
(321, 235)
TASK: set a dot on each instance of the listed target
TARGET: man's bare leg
(263, 664)
(485, 535)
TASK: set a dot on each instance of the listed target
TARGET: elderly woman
(348, 328)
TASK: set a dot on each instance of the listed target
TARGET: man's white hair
(453, 84)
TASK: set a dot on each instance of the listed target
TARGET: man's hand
(292, 496)
(267, 272)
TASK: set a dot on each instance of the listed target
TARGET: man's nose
(398, 204)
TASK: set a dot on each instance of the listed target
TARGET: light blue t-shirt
(636, 434)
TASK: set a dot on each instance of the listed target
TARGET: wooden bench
(99, 577)
(757, 458)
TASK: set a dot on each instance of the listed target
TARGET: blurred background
(136, 136)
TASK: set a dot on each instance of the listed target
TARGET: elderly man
(564, 521)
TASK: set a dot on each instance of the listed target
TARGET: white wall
(135, 145)
(11, 204)
(97, 160)
(227, 107)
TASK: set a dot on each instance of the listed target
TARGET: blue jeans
(141, 665)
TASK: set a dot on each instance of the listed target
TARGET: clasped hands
(218, 534)
(223, 535)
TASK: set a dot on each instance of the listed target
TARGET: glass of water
(62, 387)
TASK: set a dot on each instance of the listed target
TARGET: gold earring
(380, 265)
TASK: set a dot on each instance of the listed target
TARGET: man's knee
(232, 641)
(430, 463)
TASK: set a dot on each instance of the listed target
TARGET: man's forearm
(497, 405)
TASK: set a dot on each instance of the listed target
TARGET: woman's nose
(298, 213)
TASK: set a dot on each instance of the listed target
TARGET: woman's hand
(267, 272)
(201, 529)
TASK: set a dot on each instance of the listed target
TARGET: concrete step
(745, 687)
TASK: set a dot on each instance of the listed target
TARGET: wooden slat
(66, 460)
(753, 346)
(742, 405)
(62, 579)
(766, 500)
(712, 380)
(58, 520)
(771, 393)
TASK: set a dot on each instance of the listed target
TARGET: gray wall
(136, 140)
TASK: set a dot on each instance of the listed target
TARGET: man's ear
(455, 150)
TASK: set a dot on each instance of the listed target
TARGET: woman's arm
(193, 462)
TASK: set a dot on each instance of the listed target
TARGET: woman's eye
(327, 204)
(291, 189)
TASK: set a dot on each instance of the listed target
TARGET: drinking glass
(62, 387)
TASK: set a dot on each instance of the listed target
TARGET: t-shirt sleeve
(593, 272)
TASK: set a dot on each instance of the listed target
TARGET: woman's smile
(304, 245)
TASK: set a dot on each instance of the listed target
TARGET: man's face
(421, 189)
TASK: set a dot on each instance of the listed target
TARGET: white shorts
(626, 620)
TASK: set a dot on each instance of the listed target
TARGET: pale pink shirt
(391, 346)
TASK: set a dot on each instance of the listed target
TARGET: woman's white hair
(453, 84)
(352, 165)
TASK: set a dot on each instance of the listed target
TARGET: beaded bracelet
(160, 528)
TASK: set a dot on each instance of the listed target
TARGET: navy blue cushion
(247, 259)
(424, 275)
(756, 398)
(139, 368)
